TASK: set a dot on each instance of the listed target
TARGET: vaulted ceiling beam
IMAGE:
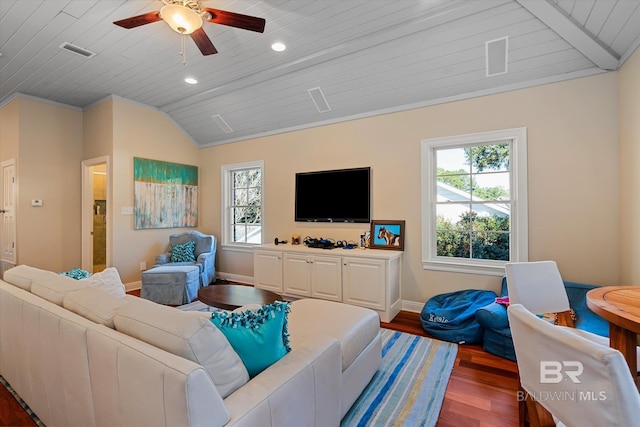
(574, 33)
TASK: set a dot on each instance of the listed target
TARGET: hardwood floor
(481, 391)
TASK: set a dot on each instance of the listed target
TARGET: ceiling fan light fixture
(181, 19)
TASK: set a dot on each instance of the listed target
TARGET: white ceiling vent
(77, 49)
(496, 56)
(222, 123)
(318, 98)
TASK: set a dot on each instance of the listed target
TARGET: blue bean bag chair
(452, 316)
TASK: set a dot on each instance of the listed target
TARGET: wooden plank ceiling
(367, 56)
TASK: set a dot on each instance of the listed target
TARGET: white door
(8, 237)
(95, 214)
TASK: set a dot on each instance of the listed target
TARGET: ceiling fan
(187, 16)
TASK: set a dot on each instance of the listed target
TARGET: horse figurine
(389, 237)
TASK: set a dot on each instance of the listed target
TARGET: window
(242, 206)
(474, 201)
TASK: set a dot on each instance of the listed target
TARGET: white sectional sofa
(80, 356)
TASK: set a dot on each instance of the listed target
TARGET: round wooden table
(230, 297)
(620, 306)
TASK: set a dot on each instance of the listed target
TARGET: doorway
(8, 213)
(95, 214)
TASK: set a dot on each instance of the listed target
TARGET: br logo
(552, 371)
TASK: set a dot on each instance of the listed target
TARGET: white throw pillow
(107, 280)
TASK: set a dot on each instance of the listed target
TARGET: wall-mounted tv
(333, 196)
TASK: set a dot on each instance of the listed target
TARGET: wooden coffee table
(230, 297)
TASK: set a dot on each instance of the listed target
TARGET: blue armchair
(497, 333)
(204, 253)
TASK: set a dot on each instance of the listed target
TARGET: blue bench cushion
(497, 334)
(451, 316)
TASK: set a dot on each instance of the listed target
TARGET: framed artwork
(387, 235)
(165, 195)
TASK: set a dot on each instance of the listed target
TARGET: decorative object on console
(365, 239)
(260, 337)
(279, 242)
(165, 195)
(295, 239)
(387, 235)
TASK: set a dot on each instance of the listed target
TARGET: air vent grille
(77, 49)
(496, 56)
(222, 123)
(319, 100)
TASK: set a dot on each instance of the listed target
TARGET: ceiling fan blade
(237, 20)
(136, 21)
(203, 42)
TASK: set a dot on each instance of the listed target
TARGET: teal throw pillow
(76, 273)
(183, 253)
(259, 337)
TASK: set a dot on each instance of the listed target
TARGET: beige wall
(50, 152)
(629, 128)
(139, 131)
(9, 131)
(572, 165)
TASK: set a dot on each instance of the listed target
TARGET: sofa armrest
(493, 316)
(302, 388)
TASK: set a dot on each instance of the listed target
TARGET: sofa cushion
(187, 335)
(259, 336)
(108, 280)
(355, 327)
(53, 287)
(95, 304)
(22, 276)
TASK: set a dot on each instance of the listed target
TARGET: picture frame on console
(387, 234)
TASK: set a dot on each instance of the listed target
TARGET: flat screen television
(333, 196)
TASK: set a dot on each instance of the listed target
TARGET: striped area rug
(409, 387)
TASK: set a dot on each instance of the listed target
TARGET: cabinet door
(267, 270)
(363, 282)
(326, 278)
(296, 274)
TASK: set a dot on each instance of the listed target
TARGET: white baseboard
(132, 286)
(412, 306)
(235, 278)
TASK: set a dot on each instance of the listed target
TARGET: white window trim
(227, 243)
(518, 191)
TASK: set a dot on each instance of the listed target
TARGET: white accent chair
(539, 287)
(578, 381)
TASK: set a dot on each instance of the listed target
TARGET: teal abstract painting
(165, 195)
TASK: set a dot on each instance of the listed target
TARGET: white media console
(364, 277)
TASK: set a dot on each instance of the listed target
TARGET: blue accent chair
(205, 253)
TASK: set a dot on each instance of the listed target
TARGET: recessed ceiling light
(190, 80)
(278, 47)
